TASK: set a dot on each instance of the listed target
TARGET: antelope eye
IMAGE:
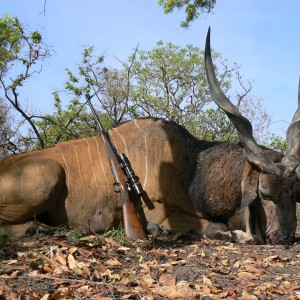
(264, 196)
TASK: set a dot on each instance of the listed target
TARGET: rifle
(125, 179)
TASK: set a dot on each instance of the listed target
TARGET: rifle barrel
(88, 98)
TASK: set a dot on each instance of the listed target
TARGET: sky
(260, 36)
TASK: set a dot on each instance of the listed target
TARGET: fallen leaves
(100, 268)
(246, 276)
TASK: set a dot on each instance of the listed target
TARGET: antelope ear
(249, 185)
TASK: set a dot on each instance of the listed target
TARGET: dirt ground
(97, 267)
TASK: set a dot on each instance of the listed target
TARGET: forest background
(137, 61)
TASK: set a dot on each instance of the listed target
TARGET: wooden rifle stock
(132, 223)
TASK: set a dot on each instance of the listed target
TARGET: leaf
(127, 281)
(273, 258)
(147, 279)
(224, 262)
(286, 284)
(71, 261)
(110, 275)
(53, 265)
(167, 279)
(205, 289)
(77, 285)
(113, 262)
(47, 269)
(86, 270)
(61, 259)
(247, 276)
(124, 249)
(12, 261)
(144, 266)
(128, 296)
(100, 269)
(252, 269)
(206, 280)
(246, 296)
(171, 292)
(61, 270)
(178, 262)
(72, 250)
(83, 289)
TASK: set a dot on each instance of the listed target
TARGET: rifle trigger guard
(116, 187)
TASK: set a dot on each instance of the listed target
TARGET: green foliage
(193, 8)
(4, 238)
(4, 129)
(36, 37)
(21, 52)
(10, 40)
(117, 234)
(168, 82)
(69, 123)
(213, 125)
(73, 235)
(277, 143)
(65, 123)
(107, 85)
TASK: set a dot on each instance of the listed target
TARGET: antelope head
(270, 185)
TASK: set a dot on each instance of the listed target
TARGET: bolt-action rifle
(125, 179)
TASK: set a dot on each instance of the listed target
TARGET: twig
(64, 279)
